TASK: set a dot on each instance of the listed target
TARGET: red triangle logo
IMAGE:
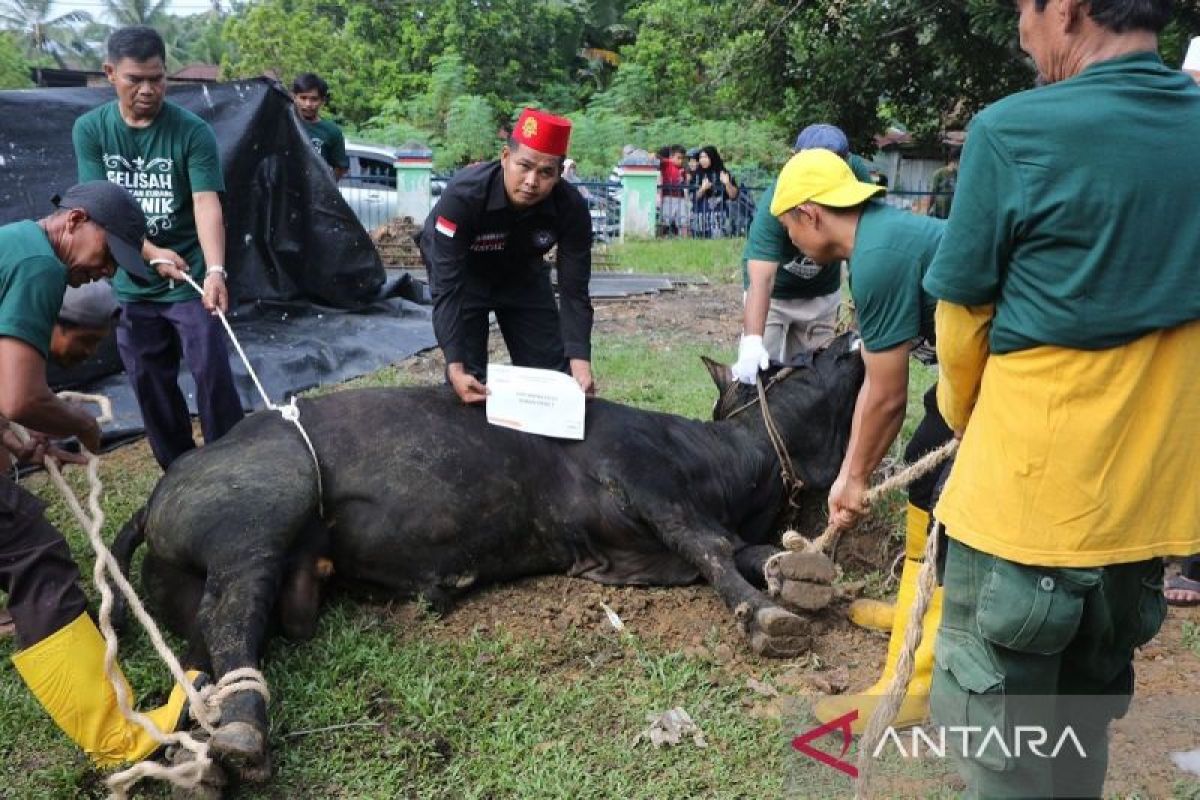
(843, 724)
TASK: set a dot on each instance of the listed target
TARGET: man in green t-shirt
(60, 654)
(167, 158)
(830, 216)
(1068, 323)
(311, 93)
(791, 302)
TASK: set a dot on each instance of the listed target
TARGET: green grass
(1191, 636)
(658, 375)
(719, 260)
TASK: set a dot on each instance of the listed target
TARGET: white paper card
(1192, 60)
(541, 401)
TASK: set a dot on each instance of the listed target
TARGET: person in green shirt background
(167, 158)
(830, 215)
(791, 302)
(942, 186)
(311, 93)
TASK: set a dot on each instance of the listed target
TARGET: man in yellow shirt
(1068, 333)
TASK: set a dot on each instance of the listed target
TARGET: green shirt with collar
(162, 166)
(892, 251)
(328, 141)
(1077, 210)
(32, 283)
(768, 240)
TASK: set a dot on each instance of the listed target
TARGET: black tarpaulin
(305, 277)
(289, 234)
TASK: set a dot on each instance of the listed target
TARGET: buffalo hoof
(778, 633)
(212, 782)
(243, 748)
(806, 581)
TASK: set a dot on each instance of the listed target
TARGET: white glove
(752, 357)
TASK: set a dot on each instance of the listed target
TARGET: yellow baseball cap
(819, 176)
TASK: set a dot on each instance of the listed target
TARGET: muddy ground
(844, 657)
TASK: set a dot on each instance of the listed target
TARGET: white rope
(204, 704)
(289, 411)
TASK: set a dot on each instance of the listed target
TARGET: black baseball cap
(116, 211)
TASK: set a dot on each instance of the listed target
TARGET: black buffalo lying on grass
(423, 497)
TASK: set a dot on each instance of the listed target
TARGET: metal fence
(604, 205)
(918, 202)
(683, 215)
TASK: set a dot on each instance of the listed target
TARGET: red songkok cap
(543, 132)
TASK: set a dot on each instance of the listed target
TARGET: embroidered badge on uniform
(446, 227)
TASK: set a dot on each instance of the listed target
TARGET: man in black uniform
(483, 244)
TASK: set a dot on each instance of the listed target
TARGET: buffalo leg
(804, 581)
(235, 616)
(750, 562)
(773, 631)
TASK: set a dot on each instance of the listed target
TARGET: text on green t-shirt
(162, 165)
(328, 141)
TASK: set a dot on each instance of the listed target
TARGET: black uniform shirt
(474, 234)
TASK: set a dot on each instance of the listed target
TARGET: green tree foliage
(136, 12)
(14, 69)
(47, 37)
(470, 133)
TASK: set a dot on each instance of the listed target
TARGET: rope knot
(290, 411)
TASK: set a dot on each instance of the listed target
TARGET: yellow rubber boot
(878, 615)
(65, 672)
(915, 707)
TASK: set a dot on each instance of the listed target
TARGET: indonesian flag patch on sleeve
(445, 227)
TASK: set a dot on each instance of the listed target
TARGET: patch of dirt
(395, 242)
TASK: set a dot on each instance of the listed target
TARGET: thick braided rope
(889, 705)
(205, 705)
(793, 541)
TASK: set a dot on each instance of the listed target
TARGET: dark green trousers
(1025, 652)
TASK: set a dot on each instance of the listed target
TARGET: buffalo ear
(722, 374)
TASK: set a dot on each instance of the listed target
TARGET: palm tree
(137, 12)
(43, 34)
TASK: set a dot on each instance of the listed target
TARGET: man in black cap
(97, 227)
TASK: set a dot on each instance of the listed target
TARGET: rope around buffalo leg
(204, 704)
(885, 712)
(795, 542)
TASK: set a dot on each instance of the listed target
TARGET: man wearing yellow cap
(484, 243)
(1069, 336)
(830, 215)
